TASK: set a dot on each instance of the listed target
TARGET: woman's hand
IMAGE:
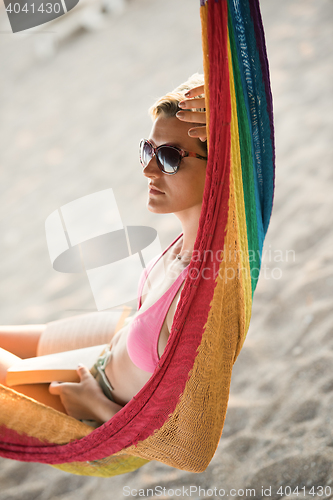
(85, 400)
(187, 115)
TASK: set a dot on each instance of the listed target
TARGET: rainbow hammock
(177, 417)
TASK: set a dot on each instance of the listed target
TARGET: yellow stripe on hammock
(236, 168)
(20, 413)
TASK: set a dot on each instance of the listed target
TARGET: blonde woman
(173, 160)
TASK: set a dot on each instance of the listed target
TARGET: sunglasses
(168, 158)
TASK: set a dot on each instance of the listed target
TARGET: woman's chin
(156, 209)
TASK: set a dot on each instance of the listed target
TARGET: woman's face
(182, 192)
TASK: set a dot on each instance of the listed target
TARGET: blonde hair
(168, 104)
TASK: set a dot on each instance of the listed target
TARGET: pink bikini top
(144, 332)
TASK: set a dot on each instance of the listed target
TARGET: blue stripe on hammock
(256, 106)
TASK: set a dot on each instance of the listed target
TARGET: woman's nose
(152, 170)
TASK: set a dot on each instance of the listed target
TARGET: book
(60, 367)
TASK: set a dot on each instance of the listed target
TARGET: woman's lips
(154, 191)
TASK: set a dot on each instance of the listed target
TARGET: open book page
(81, 331)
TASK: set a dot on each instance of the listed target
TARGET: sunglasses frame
(182, 153)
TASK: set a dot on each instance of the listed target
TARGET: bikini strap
(147, 270)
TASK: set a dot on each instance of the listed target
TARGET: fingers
(192, 103)
(58, 388)
(54, 388)
(83, 372)
(189, 113)
(195, 91)
(192, 116)
(199, 132)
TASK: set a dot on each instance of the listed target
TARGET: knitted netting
(177, 417)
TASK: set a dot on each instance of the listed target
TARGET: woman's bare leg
(40, 392)
(21, 340)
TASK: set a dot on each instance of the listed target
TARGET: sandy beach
(70, 126)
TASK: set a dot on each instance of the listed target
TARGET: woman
(174, 163)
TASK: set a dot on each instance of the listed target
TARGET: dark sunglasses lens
(169, 158)
(146, 153)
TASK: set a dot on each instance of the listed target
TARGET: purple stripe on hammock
(259, 34)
